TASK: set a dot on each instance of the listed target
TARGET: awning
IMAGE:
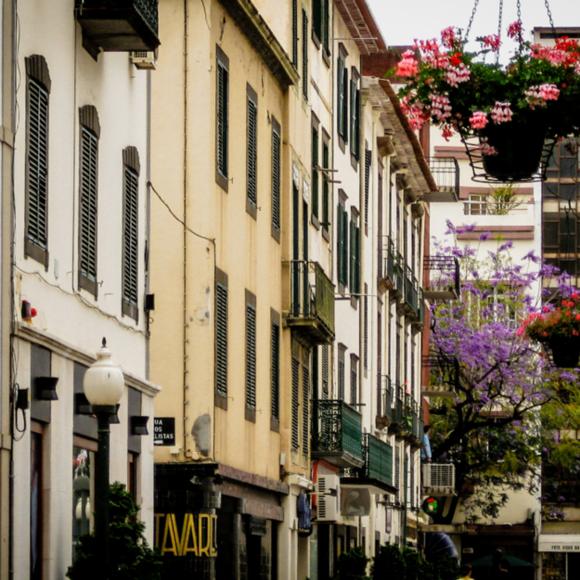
(559, 543)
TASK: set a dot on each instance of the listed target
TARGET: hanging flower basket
(557, 327)
(507, 116)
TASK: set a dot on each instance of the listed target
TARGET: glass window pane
(83, 492)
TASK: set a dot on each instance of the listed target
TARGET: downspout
(148, 228)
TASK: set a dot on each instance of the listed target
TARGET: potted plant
(558, 327)
(531, 99)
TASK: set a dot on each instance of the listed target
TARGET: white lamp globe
(103, 382)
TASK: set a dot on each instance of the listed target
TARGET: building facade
(78, 194)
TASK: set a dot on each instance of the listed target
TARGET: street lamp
(103, 385)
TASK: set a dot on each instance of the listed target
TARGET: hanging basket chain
(473, 12)
(499, 25)
(520, 31)
(549, 11)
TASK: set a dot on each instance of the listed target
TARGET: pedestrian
(466, 572)
(426, 454)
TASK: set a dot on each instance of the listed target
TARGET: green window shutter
(130, 235)
(250, 356)
(339, 243)
(353, 380)
(345, 103)
(252, 150)
(88, 206)
(340, 372)
(305, 41)
(221, 339)
(354, 133)
(275, 370)
(352, 279)
(325, 371)
(368, 160)
(314, 170)
(340, 96)
(345, 268)
(295, 438)
(295, 33)
(305, 408)
(222, 115)
(325, 20)
(317, 18)
(325, 187)
(357, 265)
(276, 160)
(37, 164)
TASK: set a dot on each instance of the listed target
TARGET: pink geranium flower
(515, 29)
(408, 65)
(501, 113)
(478, 120)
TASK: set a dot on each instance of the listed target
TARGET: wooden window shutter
(345, 254)
(325, 186)
(341, 371)
(325, 371)
(252, 152)
(88, 202)
(314, 168)
(276, 177)
(305, 41)
(368, 158)
(275, 368)
(366, 327)
(340, 96)
(345, 103)
(221, 336)
(317, 18)
(352, 280)
(357, 286)
(354, 121)
(340, 245)
(250, 356)
(305, 406)
(130, 241)
(295, 32)
(295, 437)
(222, 119)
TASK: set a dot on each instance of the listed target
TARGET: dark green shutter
(340, 244)
(130, 235)
(340, 96)
(275, 371)
(325, 188)
(88, 205)
(37, 164)
(276, 177)
(354, 124)
(345, 103)
(353, 380)
(368, 160)
(352, 279)
(250, 356)
(295, 33)
(325, 371)
(317, 18)
(325, 22)
(305, 54)
(295, 403)
(305, 408)
(345, 268)
(314, 170)
(221, 339)
(252, 152)
(357, 265)
(222, 118)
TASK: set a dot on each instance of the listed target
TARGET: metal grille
(221, 332)
(250, 356)
(37, 164)
(275, 371)
(88, 205)
(252, 153)
(222, 118)
(130, 235)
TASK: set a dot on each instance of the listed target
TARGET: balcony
(415, 425)
(443, 375)
(118, 25)
(390, 263)
(311, 308)
(385, 410)
(445, 171)
(441, 278)
(337, 434)
(412, 296)
(397, 410)
(439, 479)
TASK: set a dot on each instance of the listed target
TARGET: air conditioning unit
(327, 490)
(439, 478)
(143, 60)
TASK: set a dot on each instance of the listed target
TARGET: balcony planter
(565, 351)
(504, 114)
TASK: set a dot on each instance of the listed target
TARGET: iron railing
(443, 375)
(311, 301)
(445, 171)
(390, 265)
(386, 410)
(337, 433)
(441, 279)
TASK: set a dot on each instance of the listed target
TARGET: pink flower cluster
(448, 37)
(492, 41)
(457, 75)
(565, 52)
(478, 120)
(440, 107)
(515, 29)
(408, 65)
(501, 113)
(488, 150)
(415, 113)
(538, 95)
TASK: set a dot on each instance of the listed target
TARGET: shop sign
(187, 534)
(164, 430)
(559, 543)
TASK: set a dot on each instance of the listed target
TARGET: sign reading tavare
(187, 534)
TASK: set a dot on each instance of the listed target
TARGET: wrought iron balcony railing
(441, 278)
(398, 409)
(445, 171)
(385, 403)
(390, 267)
(311, 308)
(118, 25)
(443, 375)
(337, 433)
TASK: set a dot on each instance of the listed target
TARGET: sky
(401, 21)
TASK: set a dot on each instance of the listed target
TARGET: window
(88, 198)
(36, 212)
(295, 438)
(342, 242)
(222, 88)
(341, 371)
(320, 20)
(342, 96)
(300, 397)
(36, 503)
(354, 252)
(295, 33)
(304, 54)
(353, 379)
(130, 272)
(314, 167)
(276, 169)
(368, 161)
(476, 205)
(221, 338)
(275, 370)
(250, 356)
(354, 114)
(252, 152)
(305, 407)
(325, 181)
(325, 371)
(83, 488)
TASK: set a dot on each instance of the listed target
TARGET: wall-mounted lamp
(139, 425)
(45, 388)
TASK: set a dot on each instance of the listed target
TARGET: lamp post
(103, 385)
